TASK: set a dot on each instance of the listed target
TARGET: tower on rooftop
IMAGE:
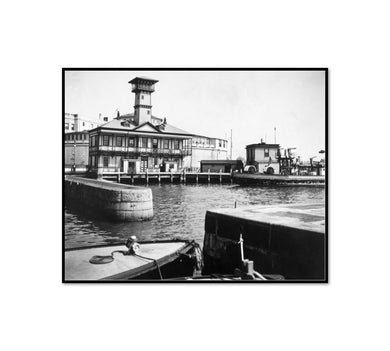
(143, 89)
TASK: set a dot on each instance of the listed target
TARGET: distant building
(263, 156)
(73, 123)
(76, 151)
(138, 142)
(205, 148)
(224, 166)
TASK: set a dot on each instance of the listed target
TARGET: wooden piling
(208, 177)
(147, 178)
(132, 179)
(197, 178)
(220, 176)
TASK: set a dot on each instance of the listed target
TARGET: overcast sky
(212, 103)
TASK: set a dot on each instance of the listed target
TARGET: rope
(104, 259)
(156, 263)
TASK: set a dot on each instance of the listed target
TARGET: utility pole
(231, 144)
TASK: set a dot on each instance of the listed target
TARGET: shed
(224, 166)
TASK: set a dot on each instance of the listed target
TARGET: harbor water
(179, 212)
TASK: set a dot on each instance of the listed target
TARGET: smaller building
(76, 151)
(224, 166)
(264, 157)
(73, 123)
(205, 148)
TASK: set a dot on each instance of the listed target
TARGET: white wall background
(40, 37)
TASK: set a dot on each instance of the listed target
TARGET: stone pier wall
(114, 201)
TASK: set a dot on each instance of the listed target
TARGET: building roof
(141, 79)
(121, 124)
(219, 162)
(207, 137)
(263, 145)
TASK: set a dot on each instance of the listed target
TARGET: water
(179, 212)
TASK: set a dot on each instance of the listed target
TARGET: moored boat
(153, 260)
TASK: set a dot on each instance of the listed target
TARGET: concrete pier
(114, 201)
(288, 240)
(277, 180)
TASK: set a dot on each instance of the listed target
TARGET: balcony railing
(142, 150)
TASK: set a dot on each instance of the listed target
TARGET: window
(175, 144)
(105, 161)
(142, 97)
(155, 143)
(83, 124)
(131, 142)
(220, 143)
(266, 152)
(105, 140)
(66, 126)
(144, 142)
(118, 141)
(148, 112)
(165, 143)
(72, 126)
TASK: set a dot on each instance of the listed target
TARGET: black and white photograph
(195, 175)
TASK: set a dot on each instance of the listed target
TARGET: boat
(153, 260)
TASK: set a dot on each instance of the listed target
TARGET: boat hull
(157, 260)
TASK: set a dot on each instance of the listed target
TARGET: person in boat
(132, 245)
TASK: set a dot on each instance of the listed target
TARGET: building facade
(76, 151)
(263, 156)
(138, 142)
(205, 148)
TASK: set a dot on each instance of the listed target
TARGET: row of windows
(71, 125)
(132, 142)
(207, 141)
(72, 136)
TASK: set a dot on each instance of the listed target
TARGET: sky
(212, 103)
